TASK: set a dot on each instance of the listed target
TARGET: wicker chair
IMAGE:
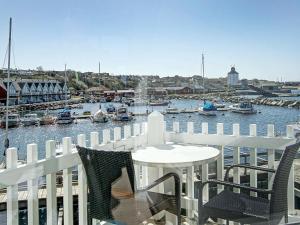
(245, 209)
(113, 196)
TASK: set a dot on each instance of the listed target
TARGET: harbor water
(21, 136)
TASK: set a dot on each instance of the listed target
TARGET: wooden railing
(133, 137)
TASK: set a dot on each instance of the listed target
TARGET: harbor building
(27, 91)
(232, 77)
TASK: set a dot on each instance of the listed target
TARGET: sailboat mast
(203, 73)
(6, 142)
(65, 86)
(99, 75)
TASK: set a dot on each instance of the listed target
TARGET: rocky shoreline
(236, 99)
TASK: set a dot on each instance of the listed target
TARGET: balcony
(73, 187)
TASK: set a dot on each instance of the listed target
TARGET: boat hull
(244, 111)
(207, 113)
(10, 124)
(64, 121)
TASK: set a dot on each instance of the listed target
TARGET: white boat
(201, 111)
(30, 119)
(159, 103)
(100, 117)
(64, 117)
(13, 120)
(243, 108)
(188, 110)
(122, 114)
(170, 110)
(47, 120)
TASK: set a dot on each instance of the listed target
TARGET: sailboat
(64, 116)
(208, 108)
(10, 119)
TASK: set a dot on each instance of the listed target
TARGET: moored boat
(159, 103)
(64, 117)
(110, 109)
(171, 110)
(208, 109)
(122, 114)
(47, 120)
(13, 120)
(243, 108)
(100, 117)
(30, 119)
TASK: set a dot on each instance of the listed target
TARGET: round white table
(175, 157)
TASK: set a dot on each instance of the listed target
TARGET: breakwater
(72, 103)
(288, 103)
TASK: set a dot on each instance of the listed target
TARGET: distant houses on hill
(27, 91)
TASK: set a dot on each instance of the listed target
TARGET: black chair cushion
(237, 205)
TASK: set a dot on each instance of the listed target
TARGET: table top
(175, 155)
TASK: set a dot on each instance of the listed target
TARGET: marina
(149, 113)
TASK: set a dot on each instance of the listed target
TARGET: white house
(232, 77)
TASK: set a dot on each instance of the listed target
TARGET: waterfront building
(33, 91)
(232, 77)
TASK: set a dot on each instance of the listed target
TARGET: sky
(261, 38)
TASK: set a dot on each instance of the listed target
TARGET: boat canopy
(208, 106)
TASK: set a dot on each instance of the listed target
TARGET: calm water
(21, 136)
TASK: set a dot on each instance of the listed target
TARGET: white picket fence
(53, 163)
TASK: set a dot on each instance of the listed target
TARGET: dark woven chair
(245, 209)
(113, 196)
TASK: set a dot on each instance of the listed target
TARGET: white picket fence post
(12, 191)
(204, 174)
(253, 160)
(51, 186)
(236, 156)
(271, 156)
(291, 185)
(220, 162)
(32, 187)
(82, 184)
(67, 185)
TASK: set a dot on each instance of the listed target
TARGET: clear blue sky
(165, 37)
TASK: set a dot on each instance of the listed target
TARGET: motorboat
(47, 119)
(188, 110)
(159, 103)
(122, 114)
(208, 109)
(110, 109)
(219, 104)
(171, 110)
(64, 117)
(243, 108)
(13, 120)
(30, 119)
(100, 117)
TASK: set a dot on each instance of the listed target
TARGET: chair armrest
(226, 178)
(229, 184)
(177, 190)
(161, 180)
